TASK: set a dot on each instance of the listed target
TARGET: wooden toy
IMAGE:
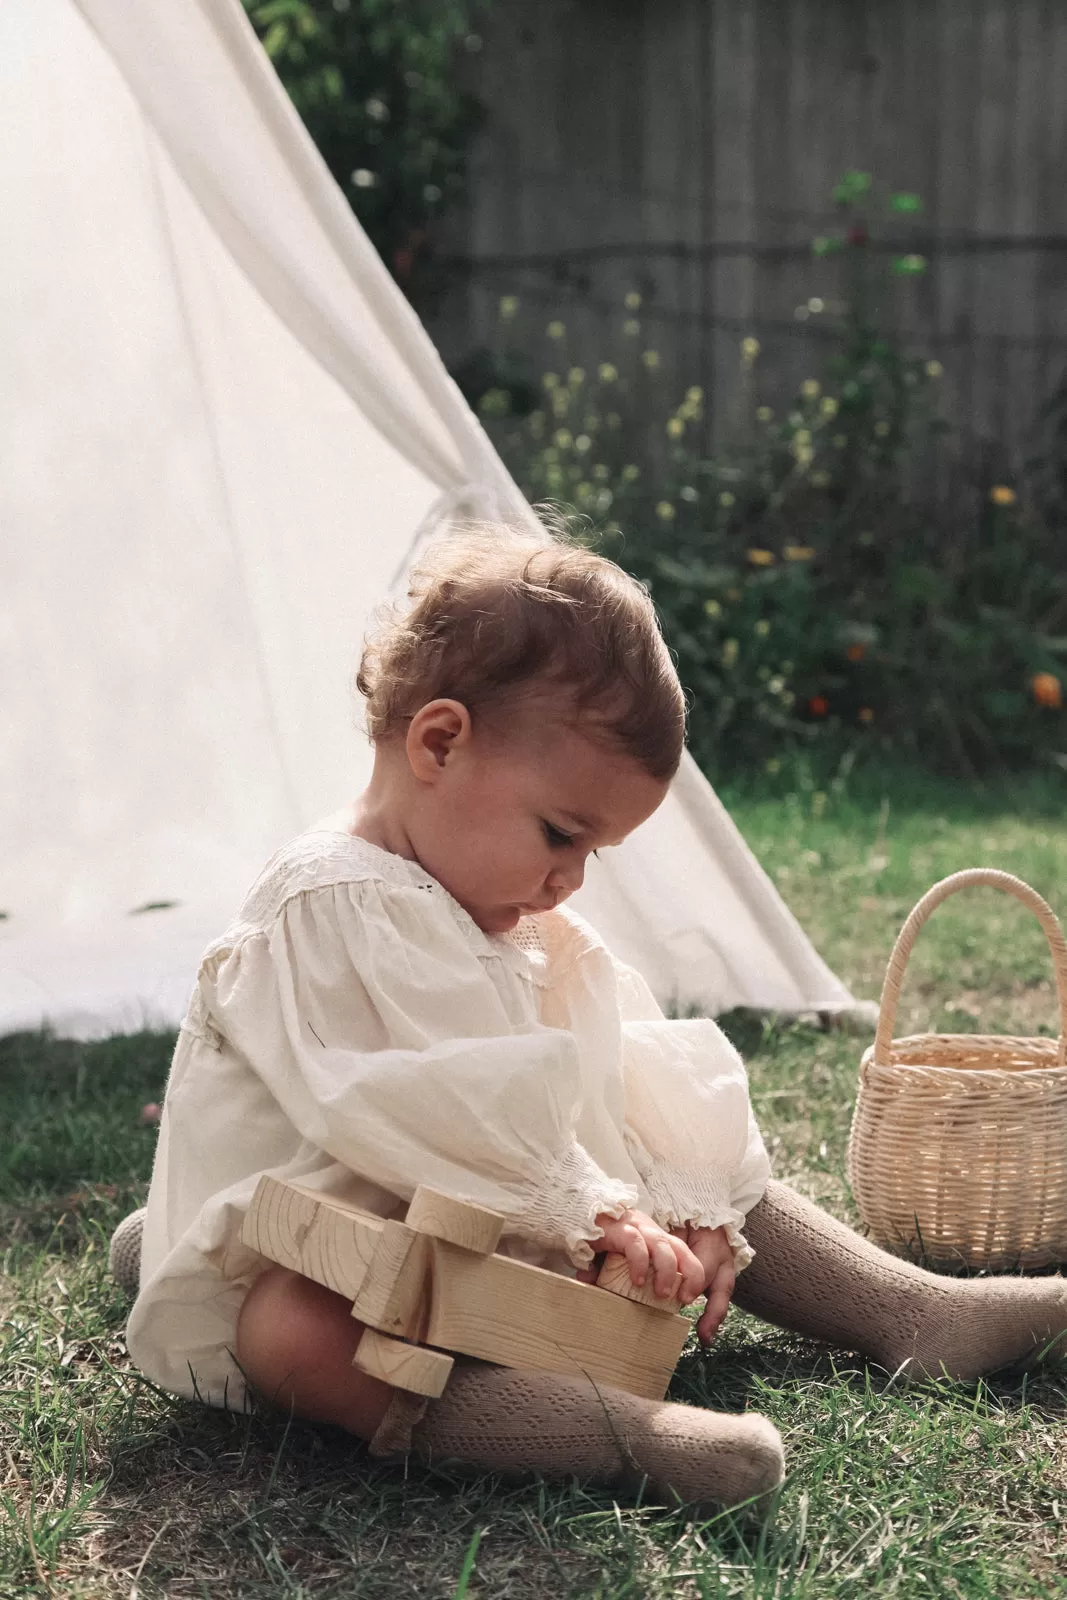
(430, 1288)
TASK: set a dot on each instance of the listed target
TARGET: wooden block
(323, 1238)
(456, 1221)
(405, 1366)
(522, 1316)
(615, 1278)
(444, 1295)
(394, 1293)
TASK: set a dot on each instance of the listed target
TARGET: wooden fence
(688, 149)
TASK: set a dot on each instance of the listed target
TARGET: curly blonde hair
(494, 616)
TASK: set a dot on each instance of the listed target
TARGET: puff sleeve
(689, 1121)
(368, 1013)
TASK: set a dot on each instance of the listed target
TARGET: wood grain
(456, 1221)
(405, 1366)
(322, 1238)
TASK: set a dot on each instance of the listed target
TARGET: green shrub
(814, 599)
(375, 82)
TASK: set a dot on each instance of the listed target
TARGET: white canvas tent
(222, 432)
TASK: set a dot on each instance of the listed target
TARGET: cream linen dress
(356, 1031)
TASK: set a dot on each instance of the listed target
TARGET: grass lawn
(110, 1488)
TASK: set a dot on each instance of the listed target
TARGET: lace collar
(522, 950)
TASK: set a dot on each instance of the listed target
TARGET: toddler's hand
(713, 1250)
(650, 1248)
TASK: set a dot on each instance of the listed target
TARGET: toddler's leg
(814, 1275)
(295, 1343)
(515, 1421)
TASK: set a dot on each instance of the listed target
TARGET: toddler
(405, 998)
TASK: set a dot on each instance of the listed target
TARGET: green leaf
(908, 203)
(275, 39)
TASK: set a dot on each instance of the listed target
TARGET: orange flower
(760, 558)
(1047, 690)
(1002, 494)
(866, 714)
(856, 652)
(818, 705)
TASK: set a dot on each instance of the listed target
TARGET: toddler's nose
(567, 880)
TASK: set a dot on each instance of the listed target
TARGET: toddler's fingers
(718, 1304)
(694, 1275)
(636, 1253)
(665, 1266)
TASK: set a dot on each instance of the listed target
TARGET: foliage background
(379, 86)
(834, 589)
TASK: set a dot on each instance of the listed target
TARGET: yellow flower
(866, 714)
(608, 373)
(712, 608)
(583, 443)
(563, 439)
(665, 511)
(730, 652)
(576, 376)
(934, 369)
(688, 493)
(630, 473)
(675, 428)
(762, 628)
(632, 301)
(798, 552)
(772, 765)
(508, 306)
(750, 349)
(631, 327)
(802, 438)
(815, 305)
(613, 419)
(694, 395)
(550, 381)
(765, 414)
(811, 388)
(803, 455)
(829, 407)
(651, 359)
(1002, 495)
(555, 330)
(760, 558)
(726, 499)
(601, 473)
(820, 479)
(881, 429)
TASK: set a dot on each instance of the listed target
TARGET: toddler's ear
(436, 732)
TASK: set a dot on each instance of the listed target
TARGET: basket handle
(898, 961)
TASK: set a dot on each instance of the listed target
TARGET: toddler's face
(507, 827)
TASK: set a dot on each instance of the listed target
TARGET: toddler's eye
(556, 837)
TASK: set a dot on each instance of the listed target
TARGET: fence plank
(691, 149)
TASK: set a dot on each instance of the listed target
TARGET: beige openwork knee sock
(514, 1421)
(814, 1275)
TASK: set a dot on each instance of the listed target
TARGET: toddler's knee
(295, 1344)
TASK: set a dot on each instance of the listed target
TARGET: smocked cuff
(564, 1209)
(691, 1195)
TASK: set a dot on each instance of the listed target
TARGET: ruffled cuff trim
(691, 1195)
(563, 1210)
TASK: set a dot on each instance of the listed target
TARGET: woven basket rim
(915, 1041)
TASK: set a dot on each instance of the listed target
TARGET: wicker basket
(958, 1150)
